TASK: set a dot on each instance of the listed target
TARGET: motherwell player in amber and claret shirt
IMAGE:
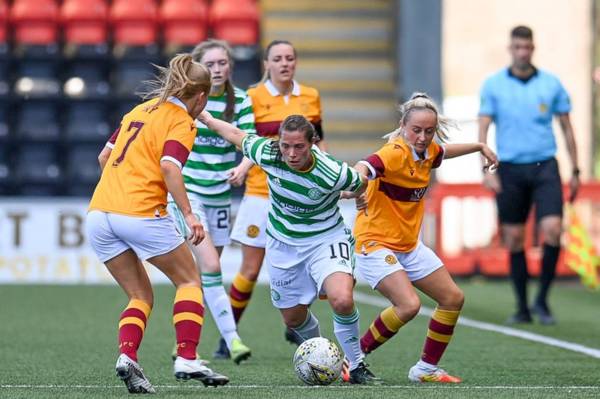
(388, 251)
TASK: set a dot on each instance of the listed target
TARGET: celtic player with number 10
(309, 249)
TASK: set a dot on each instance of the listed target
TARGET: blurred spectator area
(69, 69)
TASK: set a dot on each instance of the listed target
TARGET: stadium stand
(4, 124)
(35, 22)
(135, 49)
(37, 121)
(84, 22)
(38, 172)
(235, 21)
(4, 51)
(134, 22)
(3, 22)
(82, 170)
(85, 52)
(70, 68)
(87, 122)
(238, 23)
(5, 171)
(184, 24)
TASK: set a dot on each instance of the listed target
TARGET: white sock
(426, 366)
(308, 329)
(218, 302)
(347, 332)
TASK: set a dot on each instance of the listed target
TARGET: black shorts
(526, 184)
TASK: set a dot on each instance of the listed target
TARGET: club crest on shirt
(252, 231)
(314, 194)
(412, 171)
(543, 108)
(391, 260)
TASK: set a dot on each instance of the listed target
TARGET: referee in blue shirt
(521, 100)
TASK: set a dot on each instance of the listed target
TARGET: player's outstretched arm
(359, 191)
(223, 129)
(456, 150)
(239, 173)
(363, 172)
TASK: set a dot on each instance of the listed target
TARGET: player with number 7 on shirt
(309, 249)
(127, 221)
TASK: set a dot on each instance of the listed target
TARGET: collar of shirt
(178, 102)
(416, 156)
(524, 80)
(274, 92)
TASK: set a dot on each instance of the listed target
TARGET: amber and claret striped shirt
(270, 109)
(395, 197)
(132, 182)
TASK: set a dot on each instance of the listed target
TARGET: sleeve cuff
(372, 172)
(172, 159)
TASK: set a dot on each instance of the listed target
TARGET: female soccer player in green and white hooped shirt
(208, 175)
(309, 249)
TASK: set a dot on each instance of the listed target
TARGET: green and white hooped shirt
(206, 171)
(304, 205)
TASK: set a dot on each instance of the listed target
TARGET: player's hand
(361, 203)
(347, 195)
(491, 181)
(490, 160)
(237, 176)
(196, 229)
(573, 188)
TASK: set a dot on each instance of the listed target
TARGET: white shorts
(112, 234)
(418, 263)
(215, 220)
(251, 221)
(297, 272)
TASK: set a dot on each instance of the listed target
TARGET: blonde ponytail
(183, 79)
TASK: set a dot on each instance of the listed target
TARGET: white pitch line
(513, 332)
(330, 387)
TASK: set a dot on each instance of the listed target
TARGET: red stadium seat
(185, 22)
(235, 21)
(35, 21)
(84, 21)
(134, 22)
(3, 21)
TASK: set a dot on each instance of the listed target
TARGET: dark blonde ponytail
(183, 79)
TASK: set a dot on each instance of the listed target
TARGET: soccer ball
(318, 361)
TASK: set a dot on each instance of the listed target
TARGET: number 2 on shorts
(137, 125)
